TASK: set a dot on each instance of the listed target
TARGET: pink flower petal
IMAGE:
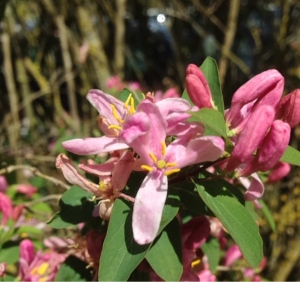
(72, 175)
(94, 145)
(148, 207)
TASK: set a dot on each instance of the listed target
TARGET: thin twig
(229, 37)
(36, 172)
(43, 199)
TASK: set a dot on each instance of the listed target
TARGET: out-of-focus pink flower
(27, 189)
(170, 93)
(2, 269)
(232, 255)
(114, 82)
(40, 266)
(3, 184)
(6, 208)
(279, 171)
(134, 85)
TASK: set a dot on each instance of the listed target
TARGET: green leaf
(213, 120)
(191, 200)
(121, 254)
(211, 249)
(210, 70)
(268, 215)
(75, 207)
(186, 96)
(32, 231)
(73, 269)
(166, 252)
(234, 216)
(9, 252)
(291, 156)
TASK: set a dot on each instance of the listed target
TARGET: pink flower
(2, 269)
(145, 132)
(3, 184)
(26, 189)
(232, 255)
(114, 82)
(6, 208)
(40, 266)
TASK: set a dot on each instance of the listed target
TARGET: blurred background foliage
(53, 52)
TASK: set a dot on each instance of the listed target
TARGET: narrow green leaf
(186, 96)
(166, 252)
(211, 249)
(235, 218)
(210, 70)
(213, 120)
(120, 253)
(268, 215)
(291, 156)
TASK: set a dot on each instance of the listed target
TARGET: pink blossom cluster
(137, 140)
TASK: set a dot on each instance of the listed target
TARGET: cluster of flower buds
(259, 123)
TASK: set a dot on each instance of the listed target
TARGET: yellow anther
(171, 164)
(40, 270)
(102, 186)
(115, 113)
(146, 167)
(161, 164)
(163, 147)
(195, 262)
(128, 101)
(114, 126)
(169, 172)
(132, 108)
(152, 156)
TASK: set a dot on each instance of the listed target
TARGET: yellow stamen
(146, 167)
(163, 147)
(102, 186)
(115, 113)
(114, 126)
(161, 164)
(152, 156)
(169, 172)
(195, 263)
(127, 101)
(40, 270)
(171, 164)
(132, 109)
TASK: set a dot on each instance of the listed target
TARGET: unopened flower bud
(263, 89)
(251, 136)
(279, 171)
(198, 88)
(273, 145)
(105, 209)
(27, 251)
(3, 184)
(288, 108)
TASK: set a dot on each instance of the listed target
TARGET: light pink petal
(148, 207)
(99, 169)
(94, 145)
(122, 171)
(3, 184)
(71, 174)
(135, 126)
(198, 150)
(255, 188)
(102, 102)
